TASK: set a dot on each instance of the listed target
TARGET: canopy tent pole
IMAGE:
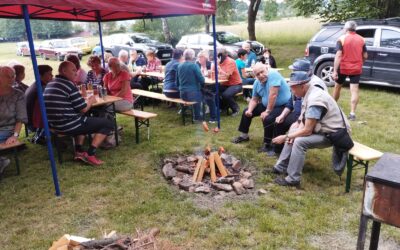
(98, 17)
(216, 71)
(40, 98)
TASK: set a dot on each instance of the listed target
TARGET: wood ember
(211, 172)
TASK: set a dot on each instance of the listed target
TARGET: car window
(205, 39)
(193, 40)
(368, 35)
(390, 39)
(228, 38)
(332, 33)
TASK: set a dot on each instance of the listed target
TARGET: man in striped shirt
(65, 109)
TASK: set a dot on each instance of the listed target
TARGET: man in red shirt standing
(350, 56)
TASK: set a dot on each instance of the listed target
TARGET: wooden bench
(56, 138)
(162, 97)
(6, 148)
(360, 155)
(141, 118)
(247, 86)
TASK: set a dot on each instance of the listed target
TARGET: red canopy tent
(95, 11)
(86, 10)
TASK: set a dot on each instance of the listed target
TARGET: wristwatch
(16, 134)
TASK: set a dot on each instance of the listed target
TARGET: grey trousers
(123, 105)
(293, 155)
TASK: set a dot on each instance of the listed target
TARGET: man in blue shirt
(251, 56)
(270, 95)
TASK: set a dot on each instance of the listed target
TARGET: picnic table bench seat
(14, 148)
(360, 154)
(162, 97)
(141, 118)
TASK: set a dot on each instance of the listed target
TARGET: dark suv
(382, 38)
(140, 42)
(232, 43)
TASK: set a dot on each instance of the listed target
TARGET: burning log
(212, 168)
(221, 150)
(198, 165)
(220, 166)
(207, 150)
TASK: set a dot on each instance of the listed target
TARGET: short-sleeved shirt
(96, 80)
(114, 84)
(240, 65)
(251, 57)
(12, 110)
(229, 67)
(352, 46)
(64, 104)
(80, 76)
(314, 112)
(153, 64)
(274, 80)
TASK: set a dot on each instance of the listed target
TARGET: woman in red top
(227, 70)
(117, 82)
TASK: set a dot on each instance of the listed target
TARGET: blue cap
(301, 65)
(299, 77)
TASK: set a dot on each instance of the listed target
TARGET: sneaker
(351, 117)
(272, 170)
(240, 139)
(92, 160)
(265, 148)
(283, 182)
(212, 121)
(270, 153)
(81, 156)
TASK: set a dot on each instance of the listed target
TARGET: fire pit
(210, 172)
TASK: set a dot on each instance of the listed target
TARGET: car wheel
(324, 72)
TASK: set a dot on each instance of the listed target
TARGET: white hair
(123, 53)
(188, 54)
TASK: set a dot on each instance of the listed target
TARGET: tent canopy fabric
(110, 10)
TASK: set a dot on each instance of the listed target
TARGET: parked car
(382, 38)
(140, 42)
(58, 49)
(232, 43)
(80, 43)
(23, 49)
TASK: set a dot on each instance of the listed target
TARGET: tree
(166, 32)
(270, 10)
(225, 11)
(178, 26)
(251, 20)
(12, 29)
(341, 10)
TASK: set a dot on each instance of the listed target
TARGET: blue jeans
(228, 96)
(4, 135)
(194, 96)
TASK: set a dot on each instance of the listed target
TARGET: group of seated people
(303, 106)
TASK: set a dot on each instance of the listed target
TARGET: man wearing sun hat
(320, 115)
(302, 64)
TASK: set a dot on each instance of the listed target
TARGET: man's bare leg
(354, 97)
(336, 91)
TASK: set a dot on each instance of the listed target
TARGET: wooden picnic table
(250, 70)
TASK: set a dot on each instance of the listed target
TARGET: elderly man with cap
(350, 56)
(65, 109)
(270, 94)
(320, 115)
(292, 109)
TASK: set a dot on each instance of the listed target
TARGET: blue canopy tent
(98, 11)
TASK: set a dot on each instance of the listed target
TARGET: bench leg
(349, 172)
(137, 130)
(148, 129)
(16, 160)
(58, 149)
(183, 111)
(362, 232)
(366, 168)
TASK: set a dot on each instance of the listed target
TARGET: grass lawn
(128, 192)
